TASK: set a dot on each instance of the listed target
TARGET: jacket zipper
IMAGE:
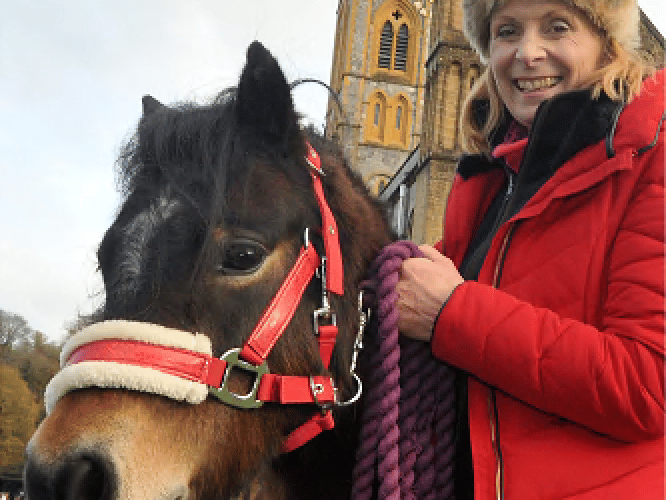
(493, 413)
(492, 402)
(502, 216)
(492, 409)
(492, 405)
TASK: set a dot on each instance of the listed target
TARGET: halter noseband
(151, 358)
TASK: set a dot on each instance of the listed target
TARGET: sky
(72, 73)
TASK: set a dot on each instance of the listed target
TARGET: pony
(219, 201)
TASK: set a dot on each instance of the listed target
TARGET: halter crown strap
(334, 270)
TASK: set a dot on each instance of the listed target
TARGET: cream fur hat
(619, 19)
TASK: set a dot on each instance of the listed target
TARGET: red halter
(214, 373)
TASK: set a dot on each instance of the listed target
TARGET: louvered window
(386, 46)
(401, 48)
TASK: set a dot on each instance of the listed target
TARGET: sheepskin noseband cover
(110, 374)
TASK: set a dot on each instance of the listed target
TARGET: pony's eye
(240, 257)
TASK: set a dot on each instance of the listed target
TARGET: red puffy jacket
(566, 352)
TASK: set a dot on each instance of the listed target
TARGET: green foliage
(18, 416)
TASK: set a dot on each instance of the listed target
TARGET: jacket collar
(562, 127)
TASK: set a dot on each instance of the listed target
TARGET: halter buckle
(323, 316)
(314, 162)
(225, 395)
(316, 389)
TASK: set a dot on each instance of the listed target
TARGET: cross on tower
(397, 15)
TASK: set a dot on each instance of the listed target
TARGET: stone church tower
(402, 69)
(378, 73)
(451, 69)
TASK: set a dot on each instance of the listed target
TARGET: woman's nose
(530, 49)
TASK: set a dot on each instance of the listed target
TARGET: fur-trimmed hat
(619, 19)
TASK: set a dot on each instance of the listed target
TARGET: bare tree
(14, 330)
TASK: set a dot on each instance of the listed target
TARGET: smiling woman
(556, 223)
(566, 45)
(539, 51)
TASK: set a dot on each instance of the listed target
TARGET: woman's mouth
(535, 84)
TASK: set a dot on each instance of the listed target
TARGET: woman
(549, 295)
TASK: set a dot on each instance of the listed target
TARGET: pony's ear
(150, 105)
(264, 98)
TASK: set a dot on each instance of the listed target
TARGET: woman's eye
(240, 257)
(559, 26)
(505, 31)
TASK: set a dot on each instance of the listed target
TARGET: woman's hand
(425, 284)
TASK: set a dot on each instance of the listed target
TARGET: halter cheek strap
(281, 309)
(279, 312)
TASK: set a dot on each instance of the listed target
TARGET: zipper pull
(509, 188)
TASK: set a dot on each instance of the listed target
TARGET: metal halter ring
(226, 395)
(355, 397)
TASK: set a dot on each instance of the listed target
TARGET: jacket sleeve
(608, 377)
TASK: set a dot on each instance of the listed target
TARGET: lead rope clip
(363, 318)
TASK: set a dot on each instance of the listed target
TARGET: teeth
(537, 84)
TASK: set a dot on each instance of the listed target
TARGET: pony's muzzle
(85, 477)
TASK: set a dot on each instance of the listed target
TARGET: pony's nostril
(84, 478)
(36, 482)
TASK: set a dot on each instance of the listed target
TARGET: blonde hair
(620, 79)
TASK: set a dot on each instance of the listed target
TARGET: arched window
(400, 134)
(386, 46)
(375, 120)
(401, 47)
(395, 31)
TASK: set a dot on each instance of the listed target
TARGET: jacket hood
(569, 122)
(642, 119)
(562, 126)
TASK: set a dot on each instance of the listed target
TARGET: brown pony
(217, 200)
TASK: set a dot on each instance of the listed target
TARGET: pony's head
(217, 202)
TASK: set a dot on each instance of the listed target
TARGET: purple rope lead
(406, 440)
